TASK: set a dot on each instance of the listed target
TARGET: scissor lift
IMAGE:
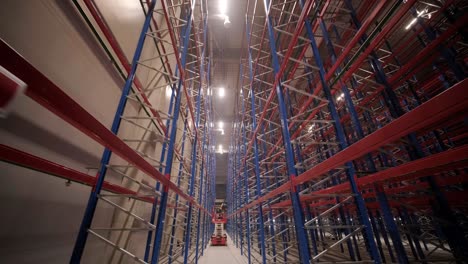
(219, 237)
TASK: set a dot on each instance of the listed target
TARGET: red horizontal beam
(104, 27)
(447, 104)
(357, 37)
(49, 95)
(394, 19)
(21, 158)
(299, 27)
(447, 160)
(456, 199)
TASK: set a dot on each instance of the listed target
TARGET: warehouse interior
(329, 131)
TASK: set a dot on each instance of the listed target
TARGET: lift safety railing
(359, 78)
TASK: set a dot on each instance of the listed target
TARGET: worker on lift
(219, 238)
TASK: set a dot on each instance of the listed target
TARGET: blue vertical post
(193, 170)
(270, 210)
(204, 230)
(238, 175)
(303, 242)
(381, 227)
(255, 148)
(377, 236)
(206, 130)
(209, 155)
(362, 211)
(94, 196)
(408, 237)
(246, 185)
(170, 152)
(281, 220)
(431, 34)
(229, 227)
(391, 225)
(174, 215)
(312, 230)
(238, 191)
(163, 155)
(200, 193)
(457, 242)
(412, 228)
(158, 185)
(360, 133)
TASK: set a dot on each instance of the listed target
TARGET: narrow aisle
(225, 255)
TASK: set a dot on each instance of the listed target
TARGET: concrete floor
(224, 255)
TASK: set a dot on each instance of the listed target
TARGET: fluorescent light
(211, 124)
(221, 92)
(223, 6)
(340, 97)
(226, 23)
(416, 19)
(220, 148)
(411, 23)
(220, 124)
(168, 91)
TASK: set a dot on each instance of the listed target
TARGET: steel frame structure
(349, 143)
(172, 54)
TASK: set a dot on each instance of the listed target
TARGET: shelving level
(349, 143)
(348, 131)
(158, 144)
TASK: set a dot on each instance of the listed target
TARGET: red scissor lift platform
(219, 237)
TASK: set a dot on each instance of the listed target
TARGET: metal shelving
(348, 144)
(163, 159)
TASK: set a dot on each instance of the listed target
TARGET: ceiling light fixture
(223, 15)
(223, 6)
(227, 23)
(221, 124)
(340, 97)
(221, 92)
(416, 19)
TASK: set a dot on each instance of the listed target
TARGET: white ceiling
(227, 44)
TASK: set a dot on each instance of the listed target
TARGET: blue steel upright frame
(340, 134)
(260, 220)
(333, 100)
(203, 180)
(302, 240)
(93, 199)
